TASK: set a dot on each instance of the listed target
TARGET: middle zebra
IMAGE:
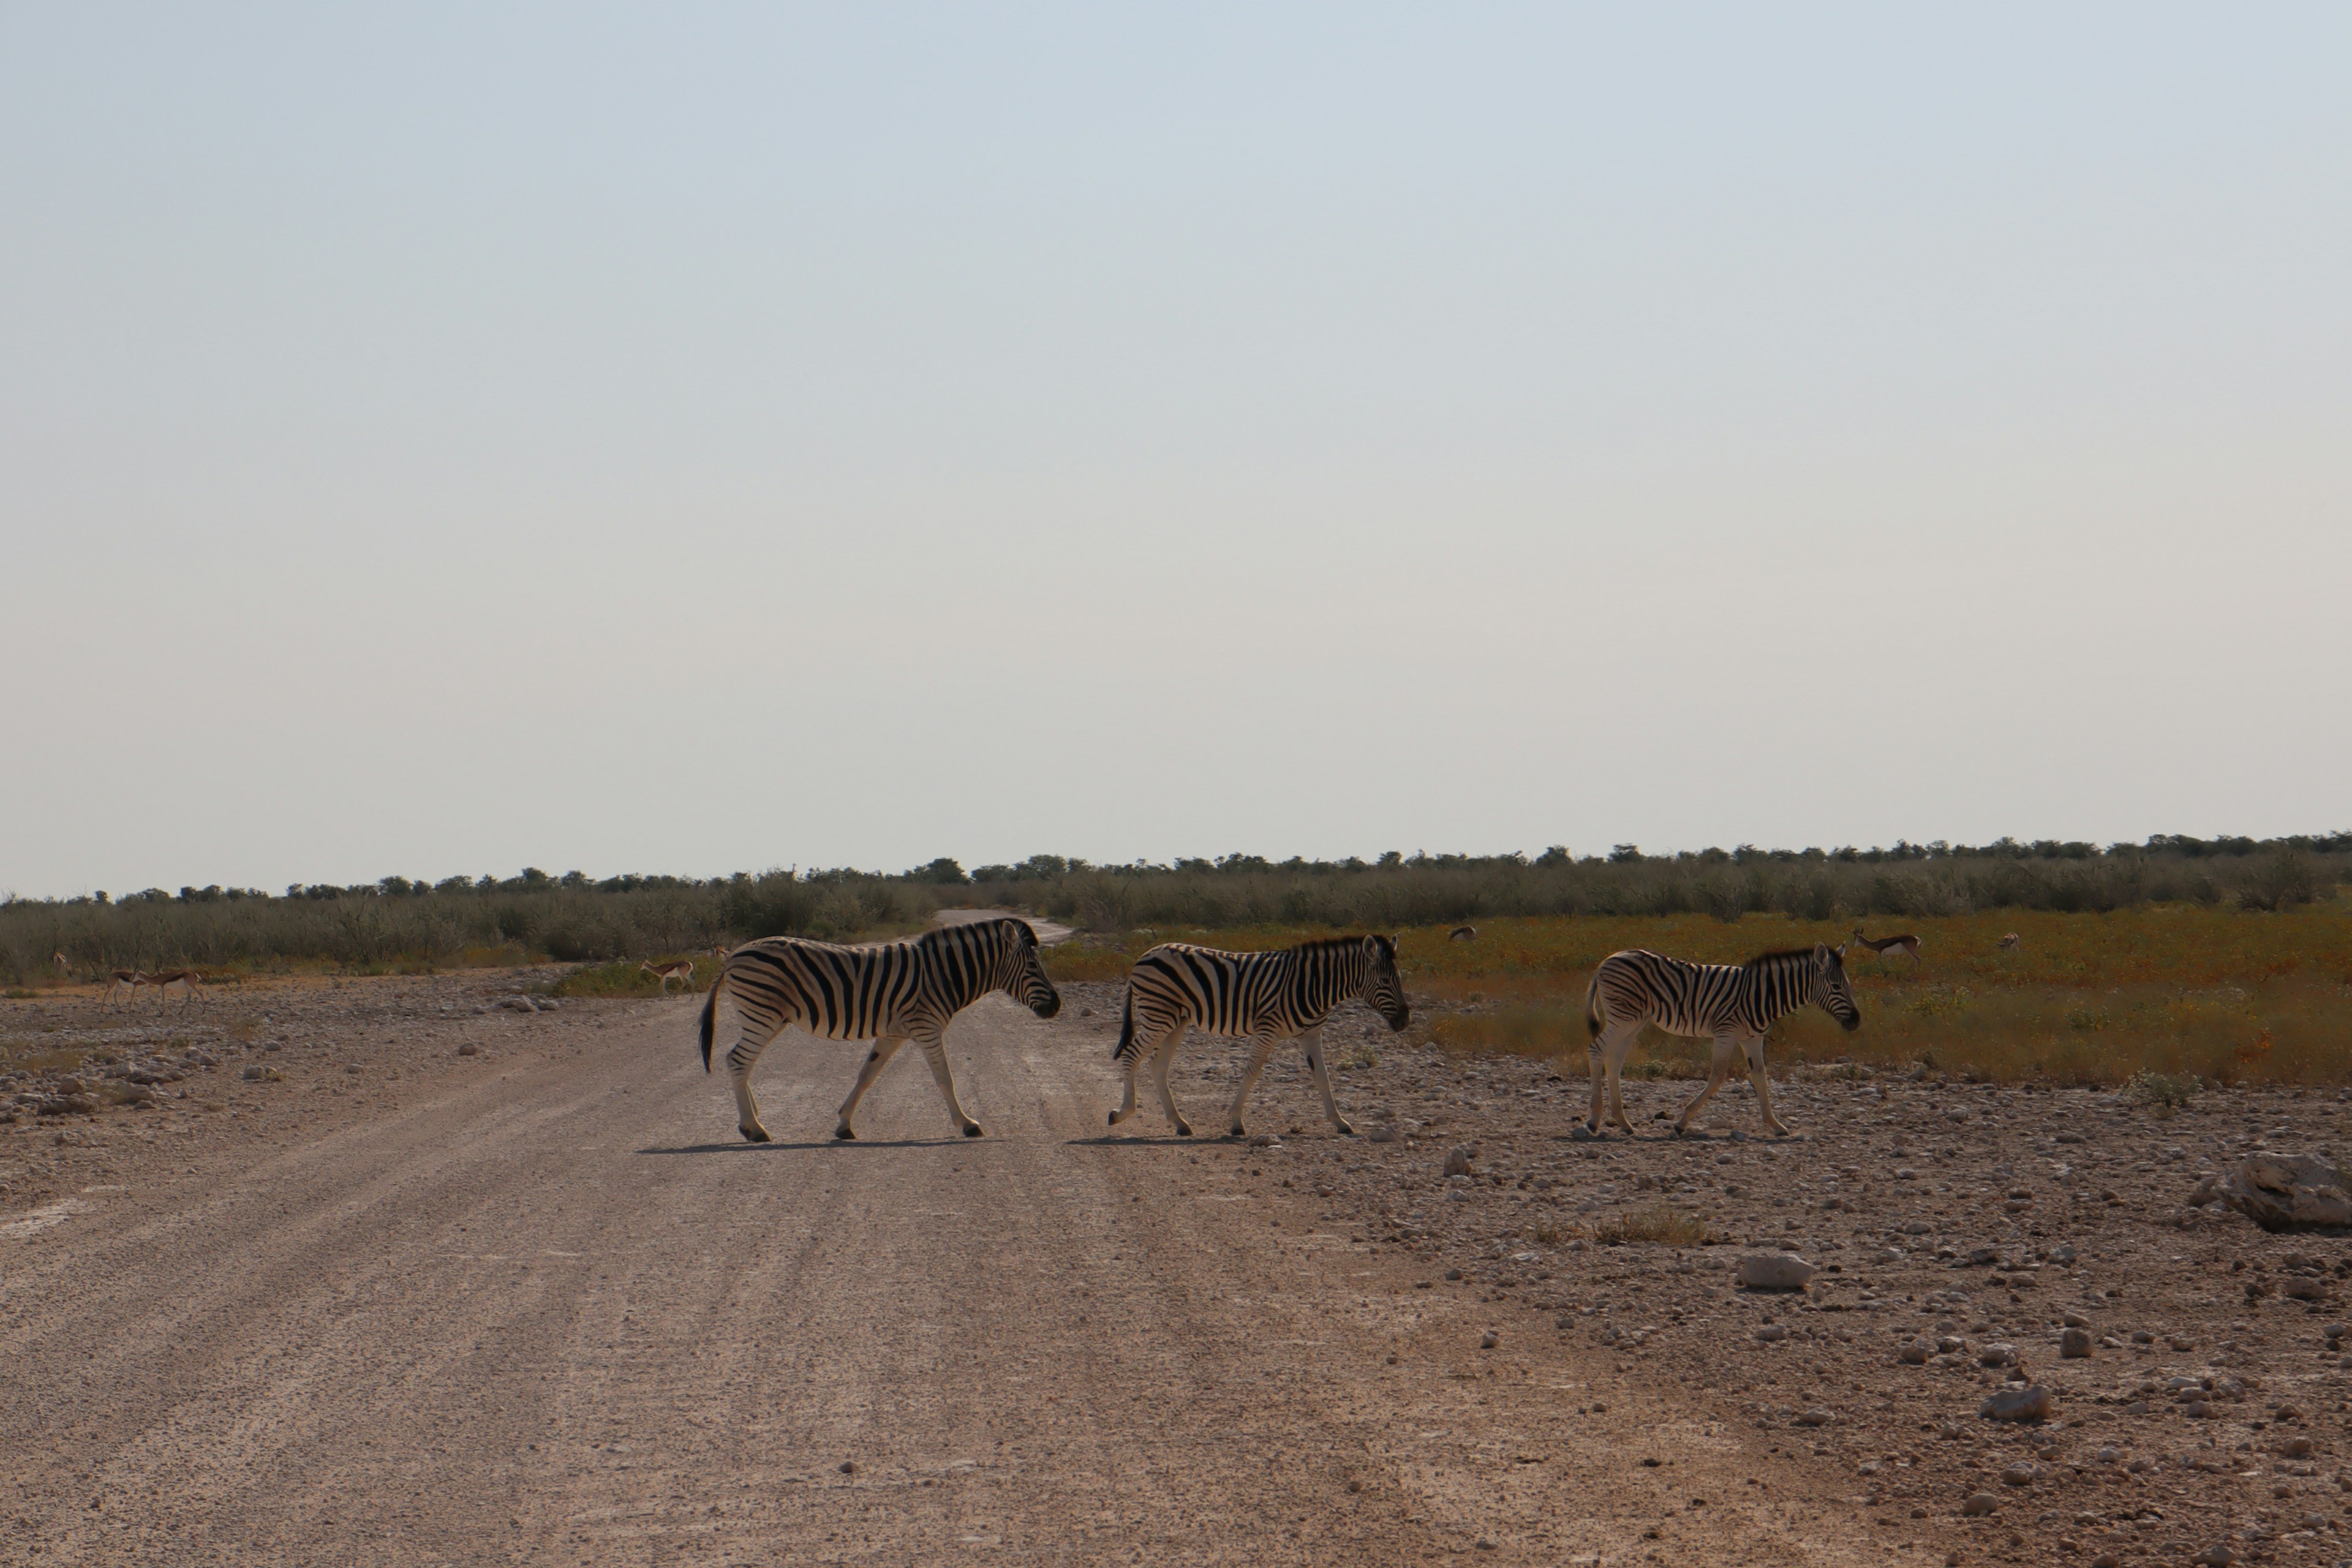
(891, 993)
(1264, 997)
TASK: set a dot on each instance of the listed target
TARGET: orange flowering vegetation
(2213, 993)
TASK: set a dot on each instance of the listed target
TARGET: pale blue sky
(440, 439)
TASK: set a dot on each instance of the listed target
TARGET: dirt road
(549, 1311)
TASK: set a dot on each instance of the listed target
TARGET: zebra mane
(1762, 959)
(1330, 943)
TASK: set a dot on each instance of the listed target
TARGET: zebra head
(1831, 988)
(1383, 992)
(1023, 975)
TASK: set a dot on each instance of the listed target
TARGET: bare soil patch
(536, 1303)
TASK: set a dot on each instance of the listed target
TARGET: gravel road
(535, 1304)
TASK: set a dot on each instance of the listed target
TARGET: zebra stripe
(1733, 1004)
(890, 992)
(1264, 997)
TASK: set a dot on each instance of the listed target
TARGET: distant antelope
(127, 982)
(64, 965)
(1462, 933)
(2011, 942)
(1883, 945)
(682, 972)
(187, 980)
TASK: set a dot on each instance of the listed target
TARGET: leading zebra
(891, 993)
(1734, 1004)
(1266, 997)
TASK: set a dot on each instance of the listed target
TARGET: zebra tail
(710, 1014)
(1592, 1011)
(1126, 1030)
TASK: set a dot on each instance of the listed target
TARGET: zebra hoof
(843, 1136)
(1343, 1129)
(755, 1134)
(1114, 1119)
(1183, 1130)
(973, 1130)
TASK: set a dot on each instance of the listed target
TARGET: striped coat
(1263, 998)
(1733, 1004)
(888, 993)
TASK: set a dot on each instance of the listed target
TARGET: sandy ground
(537, 1304)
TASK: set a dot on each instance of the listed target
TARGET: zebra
(1733, 1003)
(890, 992)
(1266, 997)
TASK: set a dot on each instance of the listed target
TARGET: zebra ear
(1822, 955)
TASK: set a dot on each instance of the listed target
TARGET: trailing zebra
(1734, 1004)
(1264, 997)
(890, 992)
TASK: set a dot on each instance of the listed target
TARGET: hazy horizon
(446, 440)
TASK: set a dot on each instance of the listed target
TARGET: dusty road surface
(538, 1305)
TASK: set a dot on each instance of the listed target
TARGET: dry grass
(1661, 1225)
(2185, 992)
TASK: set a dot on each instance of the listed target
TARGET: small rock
(1775, 1271)
(1919, 1353)
(1773, 1333)
(2034, 1404)
(1980, 1504)
(1816, 1416)
(1457, 1160)
(1997, 1355)
(848, 1467)
(2216, 1557)
(1454, 1274)
(2074, 1344)
(1488, 1339)
(469, 1050)
(2294, 1448)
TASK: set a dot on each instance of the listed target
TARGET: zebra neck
(1327, 983)
(1779, 987)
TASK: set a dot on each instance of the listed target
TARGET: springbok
(187, 980)
(1462, 933)
(682, 972)
(1883, 945)
(2011, 942)
(127, 981)
(63, 964)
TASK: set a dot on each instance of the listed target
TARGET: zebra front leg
(1260, 1048)
(1162, 1060)
(935, 1051)
(740, 1059)
(1313, 1039)
(876, 1060)
(1718, 1070)
(1763, 1087)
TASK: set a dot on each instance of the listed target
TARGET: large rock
(2018, 1405)
(2281, 1192)
(1775, 1271)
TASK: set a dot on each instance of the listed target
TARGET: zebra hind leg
(876, 1060)
(740, 1059)
(1616, 1043)
(1162, 1060)
(1260, 1048)
(1313, 1039)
